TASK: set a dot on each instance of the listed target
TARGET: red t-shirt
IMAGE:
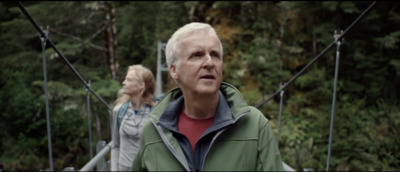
(193, 128)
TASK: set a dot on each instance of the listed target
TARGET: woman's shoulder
(117, 107)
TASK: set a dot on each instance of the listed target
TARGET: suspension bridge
(99, 161)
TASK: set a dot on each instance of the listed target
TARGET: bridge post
(280, 112)
(43, 41)
(101, 164)
(89, 119)
(160, 67)
(338, 43)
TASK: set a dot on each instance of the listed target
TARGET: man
(205, 124)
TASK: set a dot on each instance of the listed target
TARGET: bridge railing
(46, 41)
(338, 39)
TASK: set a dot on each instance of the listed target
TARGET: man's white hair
(172, 51)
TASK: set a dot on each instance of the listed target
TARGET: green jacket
(240, 139)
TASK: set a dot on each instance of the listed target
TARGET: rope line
(42, 34)
(317, 57)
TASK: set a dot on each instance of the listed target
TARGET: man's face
(199, 69)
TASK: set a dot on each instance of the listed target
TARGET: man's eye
(197, 54)
(215, 54)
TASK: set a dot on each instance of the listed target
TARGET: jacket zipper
(173, 151)
(216, 136)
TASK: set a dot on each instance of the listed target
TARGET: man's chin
(208, 90)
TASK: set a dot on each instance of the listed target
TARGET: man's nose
(208, 63)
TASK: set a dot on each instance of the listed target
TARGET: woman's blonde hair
(144, 75)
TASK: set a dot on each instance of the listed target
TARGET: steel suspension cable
(317, 57)
(42, 34)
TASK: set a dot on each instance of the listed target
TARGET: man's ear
(173, 73)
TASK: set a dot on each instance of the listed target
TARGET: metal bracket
(337, 36)
(282, 91)
(46, 32)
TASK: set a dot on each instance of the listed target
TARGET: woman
(130, 112)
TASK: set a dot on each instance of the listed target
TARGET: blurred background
(265, 45)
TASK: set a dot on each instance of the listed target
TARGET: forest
(266, 43)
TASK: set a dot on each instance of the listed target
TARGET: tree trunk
(281, 34)
(111, 40)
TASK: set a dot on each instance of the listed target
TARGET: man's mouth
(207, 77)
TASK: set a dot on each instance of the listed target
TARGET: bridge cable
(42, 34)
(317, 57)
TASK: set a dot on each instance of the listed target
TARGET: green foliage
(140, 30)
(389, 41)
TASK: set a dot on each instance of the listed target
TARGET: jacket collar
(172, 102)
(223, 115)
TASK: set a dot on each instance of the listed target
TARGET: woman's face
(132, 86)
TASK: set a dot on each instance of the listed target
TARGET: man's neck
(201, 107)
